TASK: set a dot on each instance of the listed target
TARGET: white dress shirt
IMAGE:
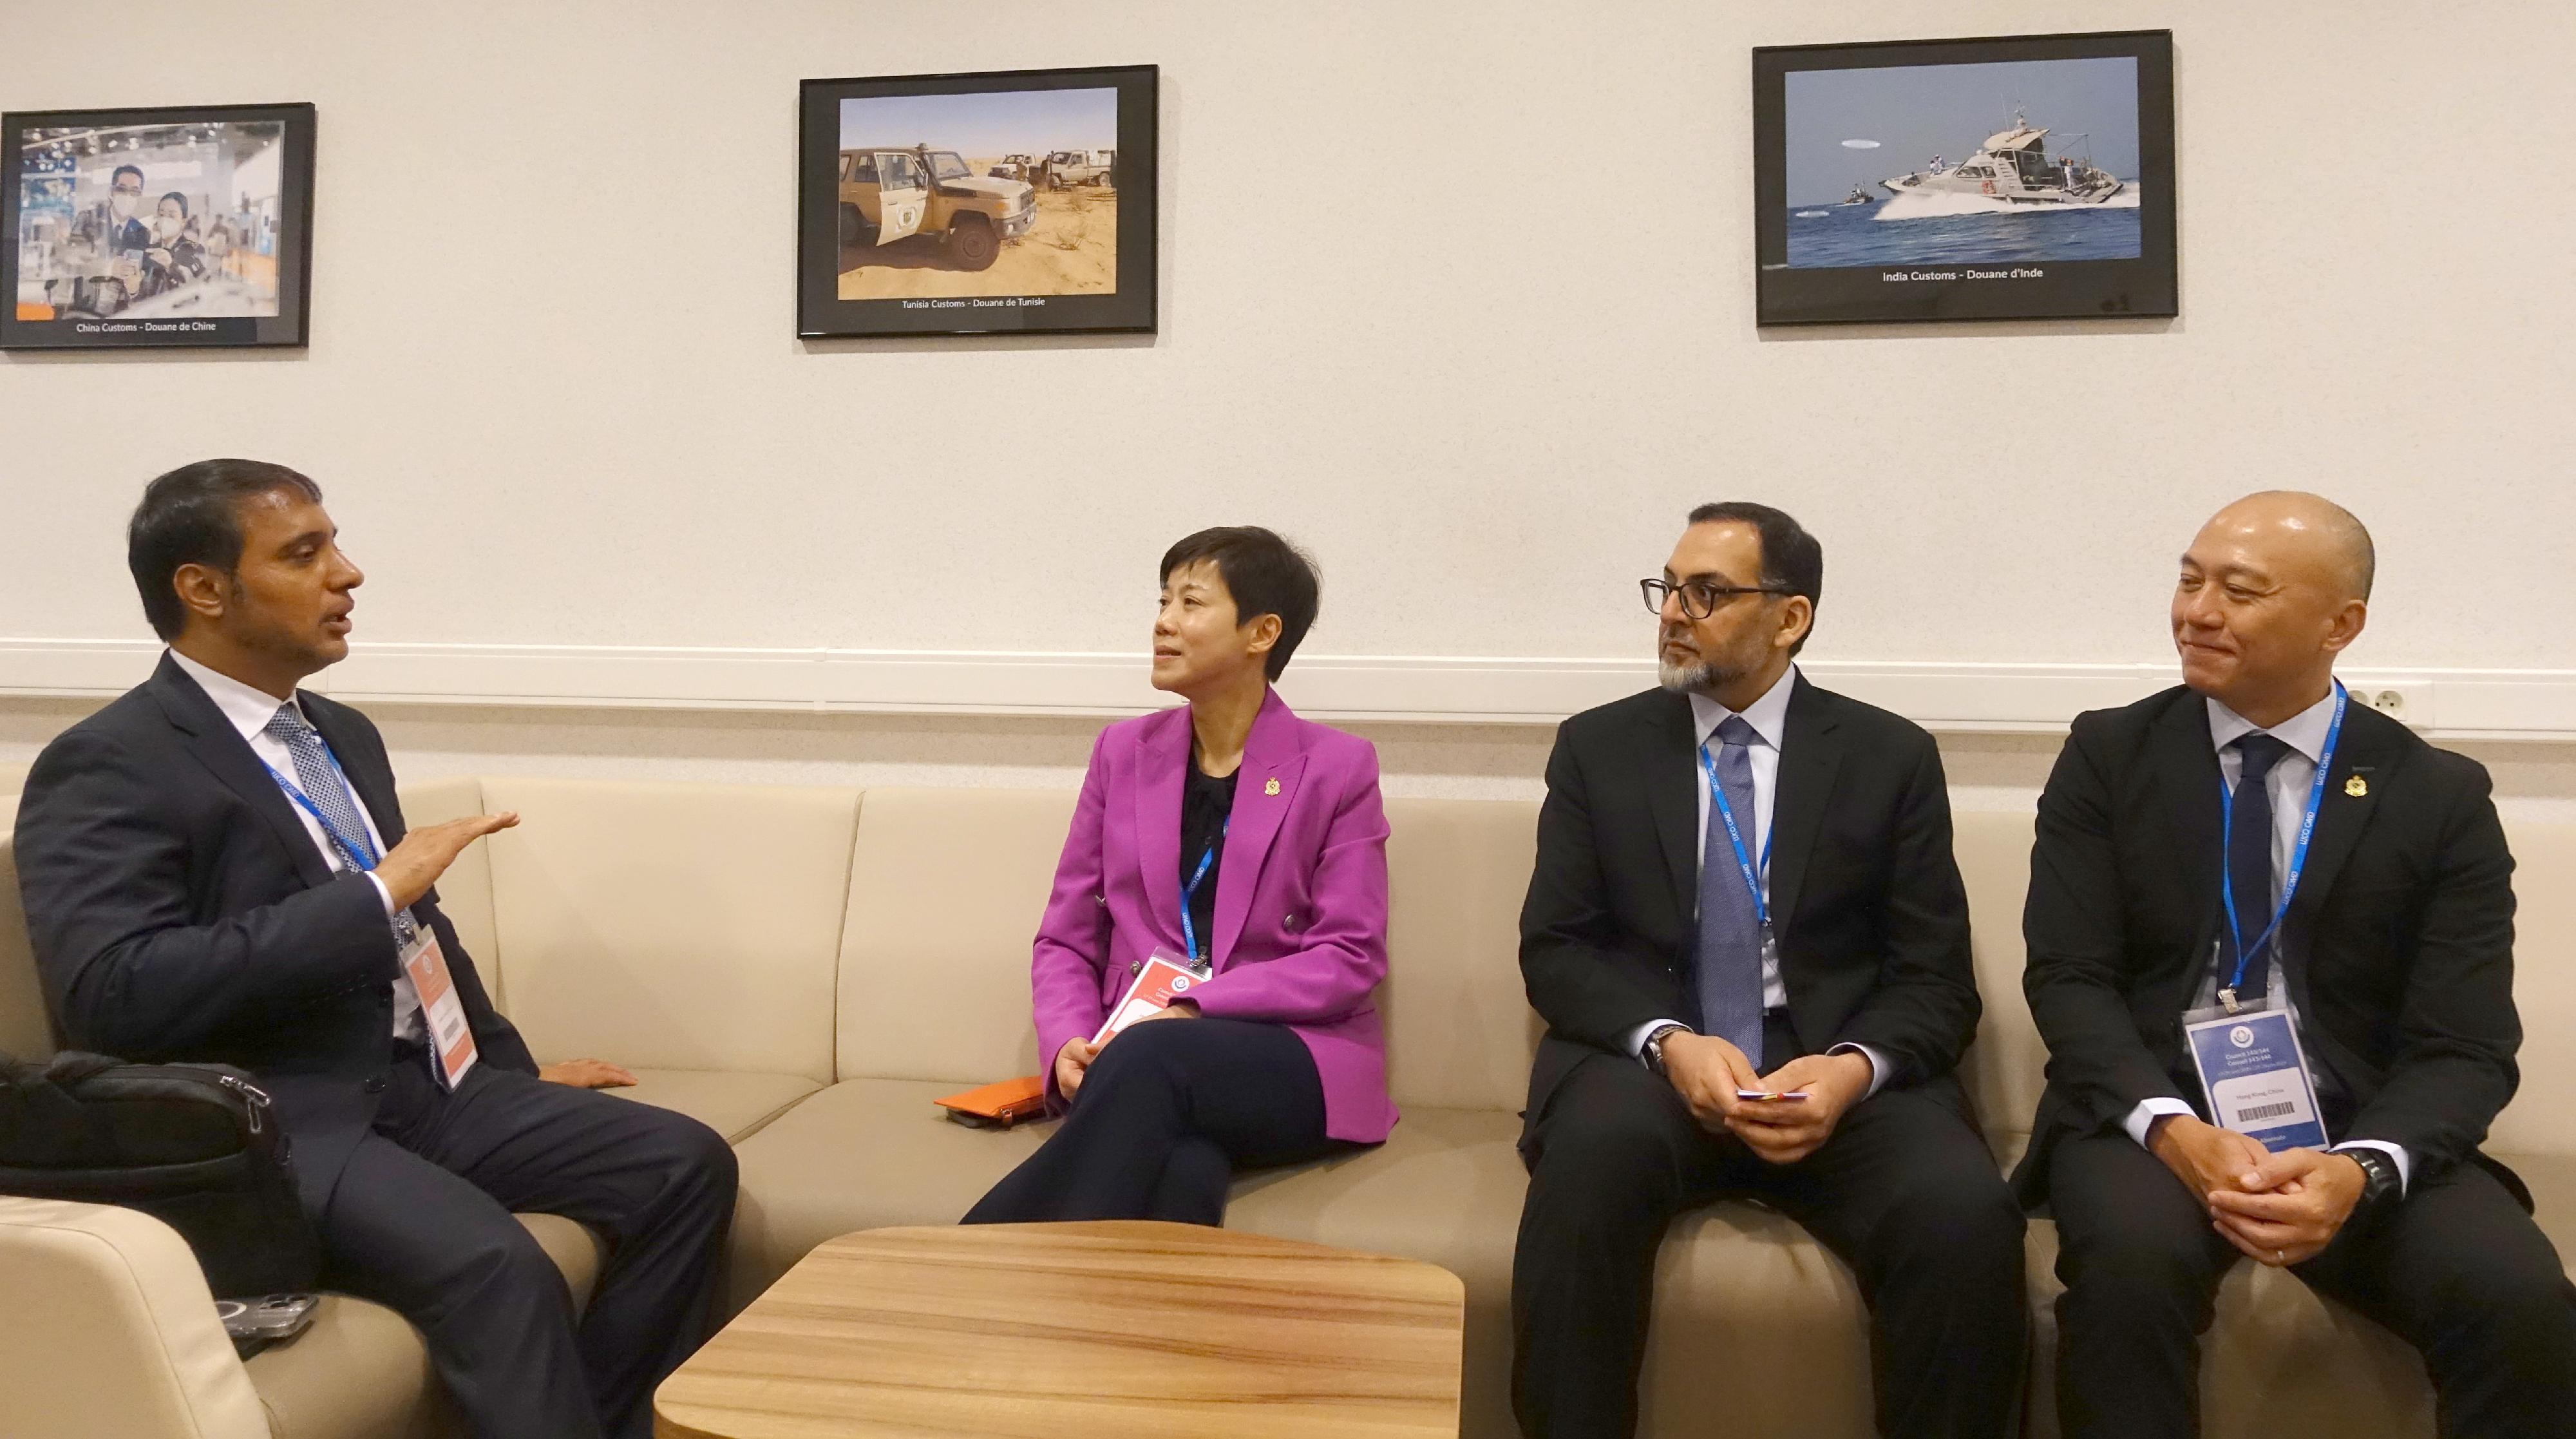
(249, 710)
(2288, 784)
(1769, 717)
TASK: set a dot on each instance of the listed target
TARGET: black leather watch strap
(2381, 1183)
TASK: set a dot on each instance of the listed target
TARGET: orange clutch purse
(998, 1106)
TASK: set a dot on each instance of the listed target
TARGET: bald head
(2295, 529)
(2272, 590)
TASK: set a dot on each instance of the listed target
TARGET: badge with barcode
(2256, 1078)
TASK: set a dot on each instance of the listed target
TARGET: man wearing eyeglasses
(1749, 941)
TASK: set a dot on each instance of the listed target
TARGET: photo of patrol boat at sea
(2025, 193)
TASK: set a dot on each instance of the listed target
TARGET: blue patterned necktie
(2249, 858)
(1730, 933)
(320, 781)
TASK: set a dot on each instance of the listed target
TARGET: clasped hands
(1707, 1071)
(1078, 1053)
(2277, 1209)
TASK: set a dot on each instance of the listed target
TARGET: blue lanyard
(1735, 837)
(1190, 930)
(2298, 854)
(362, 854)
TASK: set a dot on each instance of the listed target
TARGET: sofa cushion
(733, 1103)
(2542, 1118)
(1459, 1029)
(862, 1154)
(676, 926)
(946, 887)
(25, 1031)
(114, 1330)
(362, 1369)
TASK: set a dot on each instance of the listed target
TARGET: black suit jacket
(1867, 908)
(180, 911)
(2398, 945)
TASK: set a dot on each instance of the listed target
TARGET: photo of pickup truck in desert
(997, 193)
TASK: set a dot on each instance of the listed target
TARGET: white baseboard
(2036, 698)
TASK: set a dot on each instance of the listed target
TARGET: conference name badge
(1164, 977)
(2255, 1076)
(451, 1039)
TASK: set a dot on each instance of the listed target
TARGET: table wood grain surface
(1065, 1331)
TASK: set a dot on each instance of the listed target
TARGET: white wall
(1482, 398)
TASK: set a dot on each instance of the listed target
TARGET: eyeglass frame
(1723, 593)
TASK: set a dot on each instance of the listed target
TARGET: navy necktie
(2249, 859)
(1730, 932)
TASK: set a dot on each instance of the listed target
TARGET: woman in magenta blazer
(1233, 834)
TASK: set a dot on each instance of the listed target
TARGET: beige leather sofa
(806, 969)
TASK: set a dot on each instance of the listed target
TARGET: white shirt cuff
(382, 894)
(2395, 1152)
(1637, 1036)
(2143, 1118)
(1879, 1068)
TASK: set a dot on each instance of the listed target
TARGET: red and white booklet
(1163, 979)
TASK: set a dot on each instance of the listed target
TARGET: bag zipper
(254, 1098)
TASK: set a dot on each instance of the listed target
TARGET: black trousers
(1905, 1192)
(1167, 1113)
(2457, 1269)
(421, 1221)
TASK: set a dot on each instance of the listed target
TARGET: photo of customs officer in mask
(154, 221)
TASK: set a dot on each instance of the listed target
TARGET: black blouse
(1205, 804)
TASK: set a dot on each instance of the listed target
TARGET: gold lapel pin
(1271, 788)
(2356, 786)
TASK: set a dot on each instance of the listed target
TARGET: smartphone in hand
(1798, 1097)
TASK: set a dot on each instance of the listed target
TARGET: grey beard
(1684, 679)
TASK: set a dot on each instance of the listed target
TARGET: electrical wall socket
(2409, 702)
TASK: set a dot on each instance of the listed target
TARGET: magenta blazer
(1300, 900)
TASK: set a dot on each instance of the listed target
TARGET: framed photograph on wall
(163, 228)
(1008, 201)
(2029, 177)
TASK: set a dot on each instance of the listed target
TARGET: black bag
(193, 1145)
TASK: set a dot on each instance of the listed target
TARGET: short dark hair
(192, 516)
(1791, 558)
(1265, 574)
(179, 196)
(121, 171)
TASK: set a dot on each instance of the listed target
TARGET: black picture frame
(927, 285)
(1842, 274)
(104, 309)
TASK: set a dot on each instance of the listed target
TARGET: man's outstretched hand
(411, 867)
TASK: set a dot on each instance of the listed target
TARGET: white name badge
(451, 1039)
(2256, 1078)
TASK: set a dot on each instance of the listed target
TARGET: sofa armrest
(114, 1330)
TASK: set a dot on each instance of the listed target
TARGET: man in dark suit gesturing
(215, 869)
(1745, 885)
(2251, 853)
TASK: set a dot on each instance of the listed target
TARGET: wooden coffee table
(1064, 1331)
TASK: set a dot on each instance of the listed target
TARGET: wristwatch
(2380, 1181)
(1654, 1047)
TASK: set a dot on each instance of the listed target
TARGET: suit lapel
(222, 750)
(2187, 778)
(1811, 754)
(1162, 752)
(1671, 753)
(2371, 751)
(1263, 789)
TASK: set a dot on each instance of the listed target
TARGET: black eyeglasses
(1700, 599)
